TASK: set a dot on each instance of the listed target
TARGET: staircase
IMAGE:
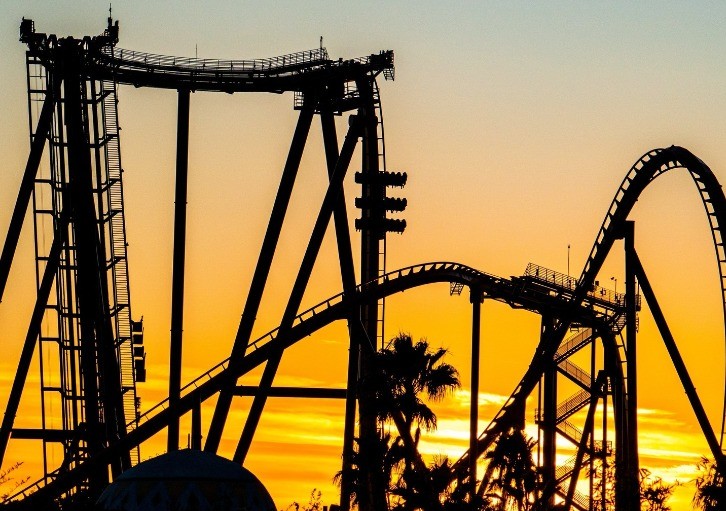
(573, 344)
(575, 373)
(116, 256)
(572, 405)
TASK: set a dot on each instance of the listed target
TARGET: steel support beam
(262, 271)
(26, 188)
(632, 487)
(102, 386)
(301, 282)
(680, 366)
(196, 442)
(177, 286)
(549, 416)
(614, 369)
(307, 392)
(347, 269)
(26, 355)
(476, 299)
(371, 494)
(49, 435)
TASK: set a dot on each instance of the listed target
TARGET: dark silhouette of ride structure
(83, 292)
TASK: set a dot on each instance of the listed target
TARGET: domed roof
(186, 480)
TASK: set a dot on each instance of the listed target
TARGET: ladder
(381, 149)
(117, 254)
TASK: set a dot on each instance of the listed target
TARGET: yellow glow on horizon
(515, 122)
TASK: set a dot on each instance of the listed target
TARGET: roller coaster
(83, 298)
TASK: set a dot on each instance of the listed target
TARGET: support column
(633, 465)
(549, 419)
(604, 467)
(301, 281)
(614, 370)
(177, 286)
(372, 493)
(476, 301)
(103, 395)
(347, 271)
(196, 442)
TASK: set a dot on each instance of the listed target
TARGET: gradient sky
(516, 122)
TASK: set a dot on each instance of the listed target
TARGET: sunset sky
(516, 122)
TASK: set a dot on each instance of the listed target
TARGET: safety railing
(155, 62)
(576, 372)
(572, 404)
(565, 469)
(570, 430)
(570, 283)
(574, 344)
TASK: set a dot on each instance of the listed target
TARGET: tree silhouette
(710, 486)
(510, 480)
(405, 375)
(9, 482)
(654, 493)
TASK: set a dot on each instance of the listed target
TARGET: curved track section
(299, 71)
(293, 72)
(516, 292)
(651, 165)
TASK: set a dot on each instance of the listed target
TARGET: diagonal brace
(680, 366)
(301, 282)
(26, 188)
(31, 337)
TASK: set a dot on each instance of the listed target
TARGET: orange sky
(515, 124)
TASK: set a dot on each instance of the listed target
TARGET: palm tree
(510, 480)
(388, 452)
(404, 372)
(710, 486)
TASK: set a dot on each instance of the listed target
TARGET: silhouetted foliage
(603, 480)
(404, 373)
(510, 480)
(9, 482)
(315, 502)
(710, 486)
(654, 492)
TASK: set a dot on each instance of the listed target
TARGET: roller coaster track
(292, 72)
(518, 292)
(651, 165)
(310, 70)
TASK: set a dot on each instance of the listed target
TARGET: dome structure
(186, 480)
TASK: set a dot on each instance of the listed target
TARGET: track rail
(297, 71)
(651, 165)
(517, 292)
(648, 167)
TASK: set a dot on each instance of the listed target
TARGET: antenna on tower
(568, 259)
